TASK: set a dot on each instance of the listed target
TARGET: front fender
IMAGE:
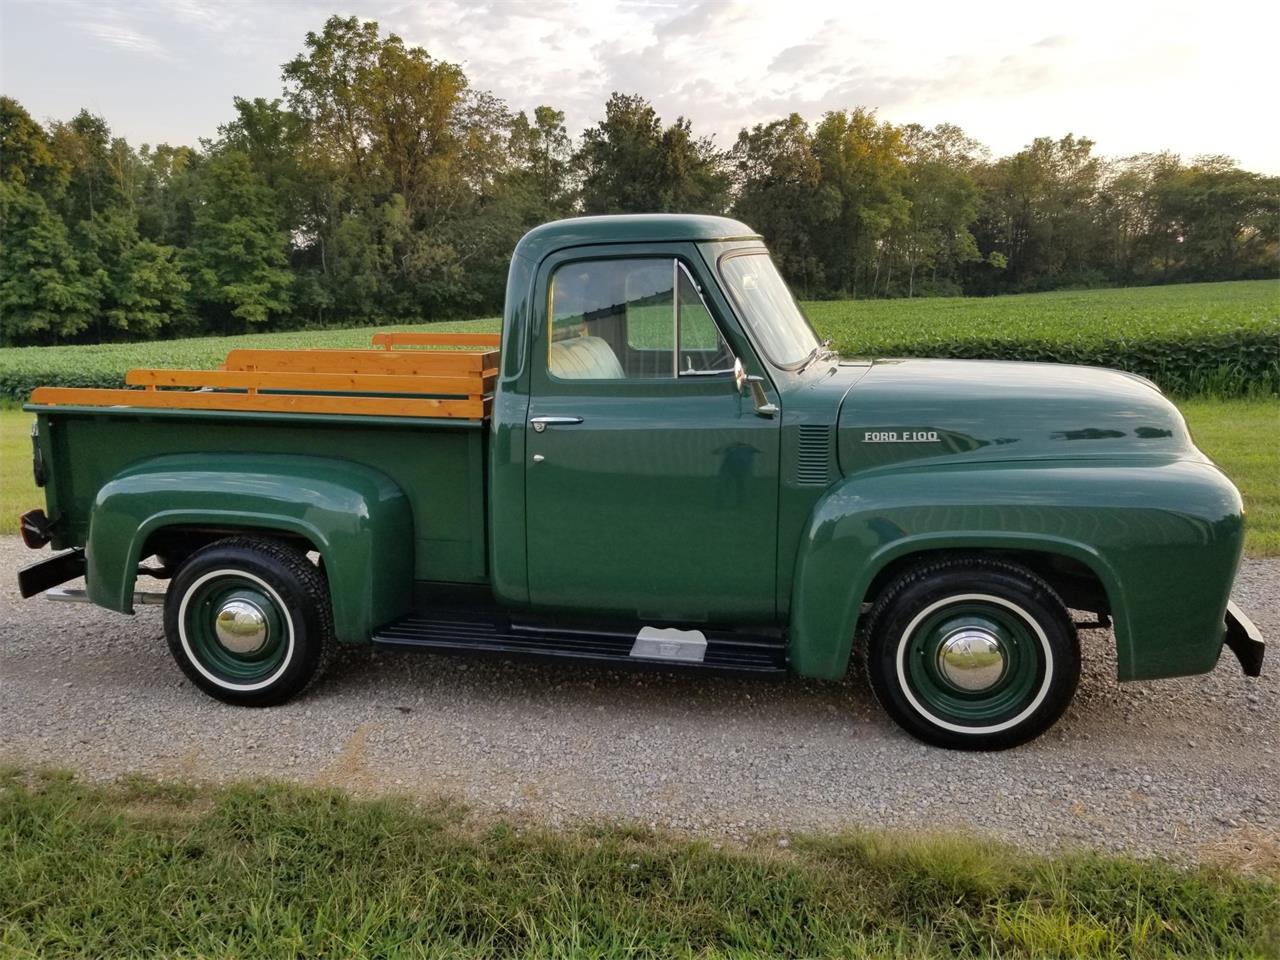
(357, 518)
(1163, 537)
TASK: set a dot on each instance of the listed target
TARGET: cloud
(218, 17)
(159, 28)
(1012, 74)
(126, 37)
(728, 64)
(793, 58)
(144, 27)
(702, 16)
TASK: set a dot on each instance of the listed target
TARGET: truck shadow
(397, 678)
(1104, 709)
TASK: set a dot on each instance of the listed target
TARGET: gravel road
(1182, 767)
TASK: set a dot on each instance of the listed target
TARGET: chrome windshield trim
(744, 318)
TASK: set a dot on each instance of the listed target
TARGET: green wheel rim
(199, 617)
(1020, 678)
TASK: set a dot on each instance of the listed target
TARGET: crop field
(1205, 338)
(1217, 339)
(1059, 317)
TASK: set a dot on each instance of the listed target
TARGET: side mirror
(742, 380)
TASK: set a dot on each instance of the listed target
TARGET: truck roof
(629, 228)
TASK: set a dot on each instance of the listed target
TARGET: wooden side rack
(390, 340)
(453, 382)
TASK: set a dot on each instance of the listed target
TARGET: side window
(640, 318)
(702, 347)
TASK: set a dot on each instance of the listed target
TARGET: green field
(1243, 436)
(140, 869)
(1207, 338)
(1215, 339)
(1060, 317)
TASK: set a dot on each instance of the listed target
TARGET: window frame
(744, 318)
(678, 264)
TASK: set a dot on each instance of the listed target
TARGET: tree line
(382, 186)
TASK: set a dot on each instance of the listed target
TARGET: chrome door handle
(541, 423)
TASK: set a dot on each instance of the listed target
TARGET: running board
(143, 598)
(711, 650)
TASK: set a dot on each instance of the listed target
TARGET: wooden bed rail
(254, 381)
(411, 362)
(455, 383)
(390, 340)
(465, 409)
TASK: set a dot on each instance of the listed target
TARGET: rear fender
(1163, 539)
(355, 517)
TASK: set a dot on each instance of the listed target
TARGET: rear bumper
(58, 569)
(1245, 641)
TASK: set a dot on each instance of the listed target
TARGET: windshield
(769, 308)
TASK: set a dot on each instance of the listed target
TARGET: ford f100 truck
(657, 462)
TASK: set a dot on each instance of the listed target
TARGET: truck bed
(333, 403)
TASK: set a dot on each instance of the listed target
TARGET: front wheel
(972, 654)
(249, 621)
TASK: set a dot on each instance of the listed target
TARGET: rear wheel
(248, 621)
(972, 654)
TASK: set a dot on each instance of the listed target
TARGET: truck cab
(642, 445)
(657, 464)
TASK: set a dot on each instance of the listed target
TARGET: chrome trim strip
(697, 288)
(68, 595)
(675, 318)
(737, 307)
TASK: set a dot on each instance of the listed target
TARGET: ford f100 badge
(900, 436)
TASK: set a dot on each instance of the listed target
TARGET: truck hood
(979, 410)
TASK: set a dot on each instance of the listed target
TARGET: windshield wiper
(821, 350)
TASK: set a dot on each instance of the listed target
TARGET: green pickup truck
(657, 464)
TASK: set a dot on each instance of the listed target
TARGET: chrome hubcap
(971, 659)
(241, 626)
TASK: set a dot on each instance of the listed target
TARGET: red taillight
(34, 526)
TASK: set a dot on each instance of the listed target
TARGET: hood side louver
(813, 457)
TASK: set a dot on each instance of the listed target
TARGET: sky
(1133, 77)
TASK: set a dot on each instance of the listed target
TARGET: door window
(641, 318)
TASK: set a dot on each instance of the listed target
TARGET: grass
(1243, 436)
(137, 868)
(1215, 338)
(18, 491)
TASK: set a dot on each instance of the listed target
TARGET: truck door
(651, 484)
